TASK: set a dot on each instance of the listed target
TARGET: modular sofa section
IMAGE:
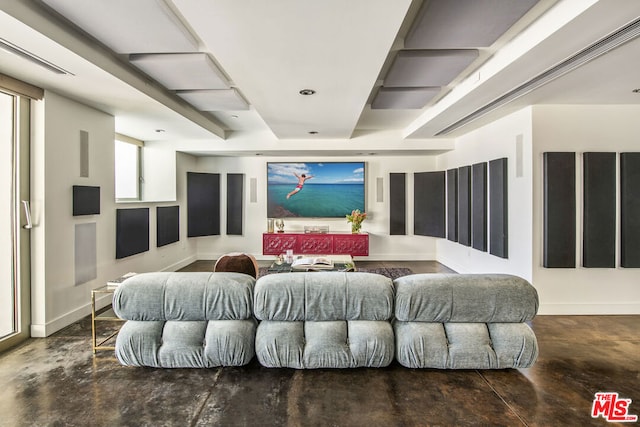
(465, 321)
(324, 320)
(186, 320)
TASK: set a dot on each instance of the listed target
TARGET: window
(128, 170)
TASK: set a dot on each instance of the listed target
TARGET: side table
(105, 314)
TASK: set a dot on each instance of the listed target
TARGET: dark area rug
(393, 272)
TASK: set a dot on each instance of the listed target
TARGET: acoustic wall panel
(235, 197)
(85, 255)
(498, 208)
(559, 210)
(203, 204)
(167, 225)
(479, 206)
(397, 204)
(86, 200)
(132, 231)
(599, 211)
(429, 204)
(630, 210)
(452, 205)
(464, 205)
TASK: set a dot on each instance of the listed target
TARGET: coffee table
(340, 263)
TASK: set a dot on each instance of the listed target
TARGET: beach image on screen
(315, 190)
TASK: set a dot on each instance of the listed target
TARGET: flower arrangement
(355, 218)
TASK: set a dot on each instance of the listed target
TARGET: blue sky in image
(324, 173)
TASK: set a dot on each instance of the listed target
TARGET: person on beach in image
(301, 180)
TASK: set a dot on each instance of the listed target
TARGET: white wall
(582, 129)
(56, 300)
(493, 141)
(382, 246)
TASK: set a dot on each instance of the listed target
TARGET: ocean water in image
(315, 200)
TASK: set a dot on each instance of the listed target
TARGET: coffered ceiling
(416, 70)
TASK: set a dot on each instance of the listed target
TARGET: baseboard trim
(589, 309)
(61, 322)
(181, 264)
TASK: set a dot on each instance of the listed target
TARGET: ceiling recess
(606, 44)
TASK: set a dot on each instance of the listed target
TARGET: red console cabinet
(316, 243)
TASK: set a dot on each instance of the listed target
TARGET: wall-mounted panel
(429, 204)
(203, 204)
(479, 206)
(599, 212)
(452, 205)
(86, 200)
(235, 198)
(498, 208)
(464, 205)
(86, 254)
(167, 225)
(397, 204)
(559, 210)
(132, 231)
(630, 210)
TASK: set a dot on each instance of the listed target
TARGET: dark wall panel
(132, 231)
(599, 213)
(86, 200)
(167, 225)
(235, 197)
(429, 204)
(464, 205)
(397, 204)
(452, 205)
(559, 229)
(498, 208)
(630, 210)
(479, 206)
(203, 204)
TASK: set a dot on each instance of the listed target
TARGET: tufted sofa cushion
(324, 320)
(472, 321)
(322, 296)
(177, 320)
(485, 298)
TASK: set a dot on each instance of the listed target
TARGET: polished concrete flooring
(57, 381)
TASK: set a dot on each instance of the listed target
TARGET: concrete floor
(57, 381)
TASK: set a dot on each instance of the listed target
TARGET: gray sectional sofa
(326, 320)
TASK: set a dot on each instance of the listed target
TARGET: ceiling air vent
(31, 57)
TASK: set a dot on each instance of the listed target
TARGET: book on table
(116, 282)
(312, 262)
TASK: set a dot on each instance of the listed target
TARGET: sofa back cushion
(185, 296)
(323, 296)
(487, 298)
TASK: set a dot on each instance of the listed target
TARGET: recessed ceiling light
(234, 116)
(159, 130)
(307, 92)
(313, 132)
(636, 90)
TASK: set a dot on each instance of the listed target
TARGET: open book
(315, 263)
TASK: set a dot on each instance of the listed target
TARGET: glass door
(14, 238)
